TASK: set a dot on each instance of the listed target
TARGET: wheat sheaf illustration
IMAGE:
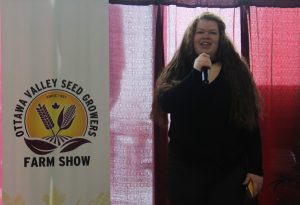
(64, 121)
(45, 117)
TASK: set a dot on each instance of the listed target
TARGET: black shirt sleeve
(182, 94)
(254, 151)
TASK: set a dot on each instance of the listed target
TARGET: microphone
(204, 72)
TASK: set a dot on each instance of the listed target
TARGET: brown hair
(245, 106)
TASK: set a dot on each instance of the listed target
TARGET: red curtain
(138, 34)
(275, 63)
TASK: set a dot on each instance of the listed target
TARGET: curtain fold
(160, 134)
(244, 33)
(213, 3)
(131, 88)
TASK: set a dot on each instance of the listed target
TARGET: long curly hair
(245, 101)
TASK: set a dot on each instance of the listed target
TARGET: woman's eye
(210, 32)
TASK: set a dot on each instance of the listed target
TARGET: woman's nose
(205, 34)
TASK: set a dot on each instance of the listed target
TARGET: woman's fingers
(257, 182)
(203, 60)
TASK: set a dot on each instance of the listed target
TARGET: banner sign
(55, 93)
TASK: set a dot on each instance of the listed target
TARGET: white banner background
(55, 39)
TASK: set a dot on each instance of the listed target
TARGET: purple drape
(213, 3)
(160, 134)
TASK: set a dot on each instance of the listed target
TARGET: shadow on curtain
(275, 62)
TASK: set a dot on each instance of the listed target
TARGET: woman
(214, 148)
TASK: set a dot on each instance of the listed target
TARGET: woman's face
(206, 37)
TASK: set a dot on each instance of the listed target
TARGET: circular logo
(53, 119)
(57, 114)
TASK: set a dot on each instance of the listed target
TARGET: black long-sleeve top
(200, 129)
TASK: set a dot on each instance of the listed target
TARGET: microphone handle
(205, 74)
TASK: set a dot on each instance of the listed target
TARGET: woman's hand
(203, 60)
(257, 182)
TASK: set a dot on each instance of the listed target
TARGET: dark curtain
(160, 140)
(213, 3)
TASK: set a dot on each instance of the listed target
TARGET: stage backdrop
(55, 102)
